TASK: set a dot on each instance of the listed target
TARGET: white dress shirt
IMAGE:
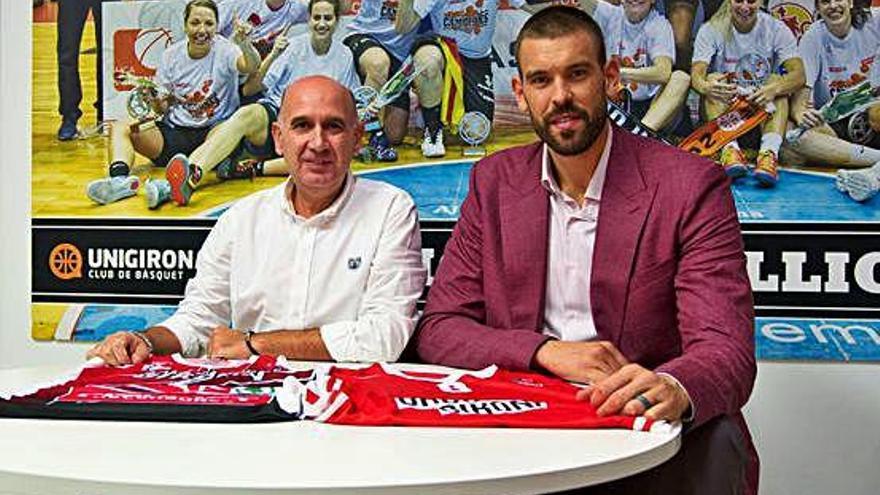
(568, 312)
(354, 270)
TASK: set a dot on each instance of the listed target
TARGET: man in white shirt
(326, 266)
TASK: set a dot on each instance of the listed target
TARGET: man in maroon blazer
(604, 258)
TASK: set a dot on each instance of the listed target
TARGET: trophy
(142, 100)
(363, 96)
(370, 101)
(859, 129)
(841, 106)
(473, 130)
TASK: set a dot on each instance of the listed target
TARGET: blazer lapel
(625, 203)
(524, 229)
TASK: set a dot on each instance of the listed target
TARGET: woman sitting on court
(197, 83)
(739, 30)
(839, 54)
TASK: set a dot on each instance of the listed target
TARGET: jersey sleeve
(276, 74)
(348, 75)
(706, 45)
(784, 42)
(872, 26)
(809, 53)
(230, 55)
(165, 71)
(610, 19)
(661, 42)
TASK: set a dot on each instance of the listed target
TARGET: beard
(571, 142)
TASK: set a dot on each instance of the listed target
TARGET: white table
(50, 457)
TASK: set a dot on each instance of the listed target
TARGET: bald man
(326, 266)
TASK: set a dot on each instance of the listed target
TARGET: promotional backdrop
(813, 254)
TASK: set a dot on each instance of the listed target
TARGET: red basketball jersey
(164, 389)
(386, 395)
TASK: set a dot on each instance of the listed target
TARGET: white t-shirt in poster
(833, 64)
(769, 38)
(300, 60)
(471, 23)
(206, 89)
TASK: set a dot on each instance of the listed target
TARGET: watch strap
(249, 344)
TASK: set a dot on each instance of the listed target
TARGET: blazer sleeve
(455, 329)
(713, 302)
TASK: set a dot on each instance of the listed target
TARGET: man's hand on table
(121, 348)
(226, 343)
(637, 391)
(583, 362)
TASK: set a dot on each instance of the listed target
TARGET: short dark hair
(209, 4)
(557, 21)
(334, 3)
(860, 13)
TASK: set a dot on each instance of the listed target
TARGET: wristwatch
(250, 345)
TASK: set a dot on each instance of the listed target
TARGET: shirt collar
(597, 181)
(325, 216)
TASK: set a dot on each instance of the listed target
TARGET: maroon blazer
(669, 286)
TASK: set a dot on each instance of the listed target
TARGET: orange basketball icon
(66, 261)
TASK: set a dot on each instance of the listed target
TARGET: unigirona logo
(465, 407)
(66, 261)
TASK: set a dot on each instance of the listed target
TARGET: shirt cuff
(690, 417)
(190, 343)
(337, 339)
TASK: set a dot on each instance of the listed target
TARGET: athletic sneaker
(68, 130)
(157, 192)
(432, 147)
(860, 185)
(230, 169)
(112, 189)
(381, 148)
(179, 172)
(734, 162)
(765, 168)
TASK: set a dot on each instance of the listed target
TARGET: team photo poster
(111, 250)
